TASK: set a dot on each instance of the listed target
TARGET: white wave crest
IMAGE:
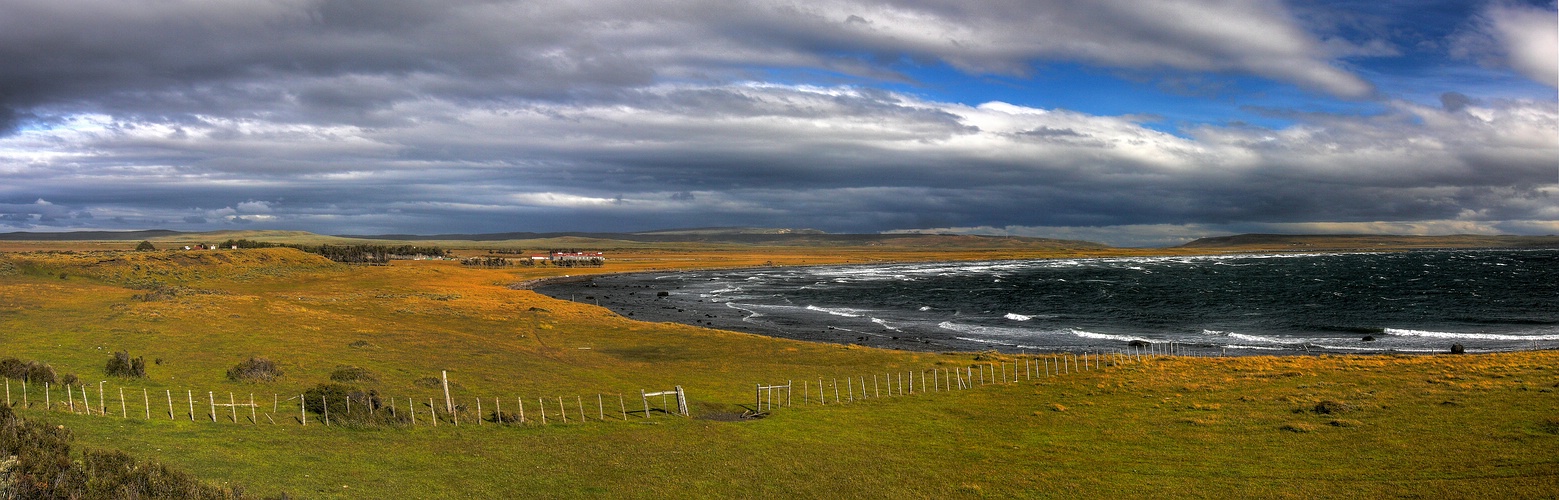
(1017, 317)
(1477, 336)
(837, 311)
(1105, 336)
(885, 324)
(1245, 337)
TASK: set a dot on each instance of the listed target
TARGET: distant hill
(757, 237)
(1367, 242)
(702, 236)
(88, 235)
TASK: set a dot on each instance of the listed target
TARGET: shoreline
(643, 303)
(630, 295)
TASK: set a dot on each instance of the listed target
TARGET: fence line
(370, 408)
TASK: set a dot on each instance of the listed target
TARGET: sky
(1119, 121)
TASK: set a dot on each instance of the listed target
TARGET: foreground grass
(1408, 426)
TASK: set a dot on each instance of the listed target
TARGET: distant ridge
(760, 236)
(1367, 242)
(89, 235)
(708, 236)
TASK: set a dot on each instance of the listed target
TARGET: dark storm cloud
(339, 58)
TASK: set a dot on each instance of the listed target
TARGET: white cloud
(1530, 37)
(255, 207)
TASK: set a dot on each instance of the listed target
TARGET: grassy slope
(1444, 425)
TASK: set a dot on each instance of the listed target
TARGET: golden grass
(1416, 425)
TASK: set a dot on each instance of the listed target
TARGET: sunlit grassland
(1414, 425)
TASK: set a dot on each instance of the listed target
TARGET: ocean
(1406, 302)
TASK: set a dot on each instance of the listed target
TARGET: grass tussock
(1299, 427)
(1330, 407)
(255, 369)
(350, 374)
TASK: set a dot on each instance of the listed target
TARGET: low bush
(122, 365)
(31, 371)
(351, 405)
(42, 467)
(503, 417)
(254, 370)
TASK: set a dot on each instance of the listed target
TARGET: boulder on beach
(1458, 349)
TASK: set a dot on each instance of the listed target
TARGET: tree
(145, 246)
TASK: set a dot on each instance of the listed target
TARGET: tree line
(350, 254)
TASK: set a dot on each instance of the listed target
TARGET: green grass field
(1427, 426)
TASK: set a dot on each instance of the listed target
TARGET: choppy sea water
(1422, 301)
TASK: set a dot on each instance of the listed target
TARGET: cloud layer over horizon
(1003, 117)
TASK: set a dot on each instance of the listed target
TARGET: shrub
(31, 371)
(353, 374)
(121, 365)
(144, 246)
(503, 417)
(254, 370)
(365, 407)
(43, 468)
(70, 379)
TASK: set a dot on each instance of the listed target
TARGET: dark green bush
(350, 405)
(31, 371)
(44, 468)
(122, 365)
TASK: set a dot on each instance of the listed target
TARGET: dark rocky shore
(628, 295)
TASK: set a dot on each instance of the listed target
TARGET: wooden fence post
(449, 404)
(124, 411)
(146, 398)
(622, 406)
(303, 414)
